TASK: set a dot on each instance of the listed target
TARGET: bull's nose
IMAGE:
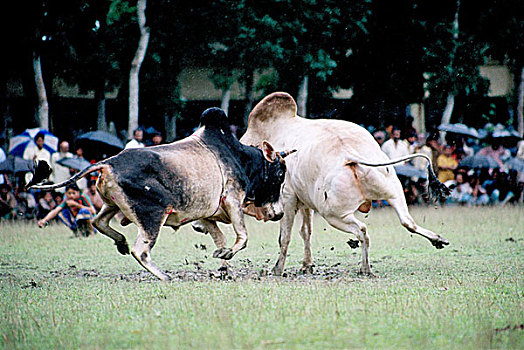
(276, 217)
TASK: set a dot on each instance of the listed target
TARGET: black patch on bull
(149, 185)
(246, 165)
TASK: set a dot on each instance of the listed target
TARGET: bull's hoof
(353, 243)
(223, 253)
(440, 243)
(122, 247)
(307, 270)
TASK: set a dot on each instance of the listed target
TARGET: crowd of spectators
(471, 185)
(491, 183)
(74, 205)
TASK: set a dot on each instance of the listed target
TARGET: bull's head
(263, 199)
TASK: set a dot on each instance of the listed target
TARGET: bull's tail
(436, 189)
(40, 176)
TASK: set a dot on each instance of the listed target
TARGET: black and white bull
(209, 176)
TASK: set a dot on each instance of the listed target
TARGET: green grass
(61, 292)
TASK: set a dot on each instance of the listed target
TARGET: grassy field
(60, 292)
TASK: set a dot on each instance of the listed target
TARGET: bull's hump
(273, 106)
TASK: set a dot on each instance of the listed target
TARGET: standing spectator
(7, 202)
(60, 172)
(82, 183)
(45, 205)
(394, 147)
(36, 152)
(136, 142)
(75, 212)
(446, 164)
(94, 196)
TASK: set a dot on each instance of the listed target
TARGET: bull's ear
(268, 151)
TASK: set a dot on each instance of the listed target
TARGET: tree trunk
(520, 105)
(43, 107)
(448, 110)
(249, 82)
(135, 67)
(450, 101)
(170, 125)
(100, 98)
(226, 97)
(302, 97)
(446, 116)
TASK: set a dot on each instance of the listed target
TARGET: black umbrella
(102, 137)
(479, 161)
(15, 165)
(410, 171)
(75, 163)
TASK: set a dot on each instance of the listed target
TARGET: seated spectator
(478, 192)
(7, 202)
(58, 197)
(94, 196)
(499, 188)
(45, 204)
(75, 212)
(26, 203)
(446, 164)
(461, 193)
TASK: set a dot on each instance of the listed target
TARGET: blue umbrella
(19, 143)
(102, 137)
(75, 163)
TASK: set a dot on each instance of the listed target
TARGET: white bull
(339, 168)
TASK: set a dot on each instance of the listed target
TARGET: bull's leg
(141, 250)
(350, 224)
(400, 206)
(306, 228)
(234, 210)
(101, 222)
(286, 226)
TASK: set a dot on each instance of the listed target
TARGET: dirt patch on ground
(321, 273)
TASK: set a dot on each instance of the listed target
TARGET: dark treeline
(389, 53)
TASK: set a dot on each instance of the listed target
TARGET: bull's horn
(284, 154)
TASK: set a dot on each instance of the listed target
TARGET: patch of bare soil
(320, 273)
